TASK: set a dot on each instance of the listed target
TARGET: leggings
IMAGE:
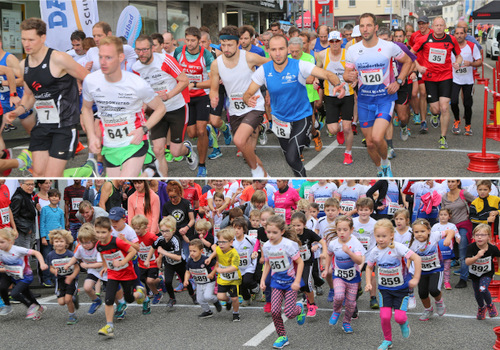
(455, 95)
(307, 278)
(345, 291)
(291, 308)
(446, 271)
(318, 281)
(292, 148)
(21, 291)
(113, 286)
(248, 285)
(481, 292)
(385, 320)
(430, 284)
(168, 274)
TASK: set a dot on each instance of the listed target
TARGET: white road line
(47, 300)
(487, 65)
(263, 334)
(322, 155)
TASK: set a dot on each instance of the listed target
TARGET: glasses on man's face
(143, 50)
(174, 197)
(165, 231)
(29, 185)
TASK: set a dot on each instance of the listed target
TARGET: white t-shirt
(464, 75)
(88, 257)
(364, 232)
(128, 232)
(93, 56)
(245, 249)
(74, 55)
(404, 238)
(322, 193)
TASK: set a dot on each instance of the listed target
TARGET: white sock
(385, 162)
(21, 163)
(258, 171)
(150, 172)
(348, 152)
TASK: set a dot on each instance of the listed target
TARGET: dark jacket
(23, 211)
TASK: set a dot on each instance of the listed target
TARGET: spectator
(24, 213)
(73, 196)
(88, 213)
(146, 202)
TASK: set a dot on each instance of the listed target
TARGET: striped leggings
(344, 291)
(291, 308)
(446, 271)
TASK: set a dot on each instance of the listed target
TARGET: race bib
(461, 71)
(372, 76)
(347, 274)
(75, 203)
(195, 78)
(2, 87)
(281, 129)
(437, 55)
(14, 271)
(244, 260)
(430, 262)
(364, 240)
(200, 275)
(143, 253)
(481, 266)
(321, 203)
(305, 253)
(306, 193)
(58, 264)
(281, 212)
(109, 258)
(236, 101)
(390, 277)
(47, 112)
(392, 208)
(252, 233)
(216, 229)
(347, 205)
(279, 262)
(117, 132)
(231, 276)
(5, 213)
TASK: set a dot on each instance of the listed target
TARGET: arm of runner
(11, 81)
(332, 78)
(249, 96)
(159, 109)
(27, 102)
(182, 83)
(254, 60)
(13, 63)
(67, 64)
(350, 75)
(214, 85)
(88, 122)
(405, 69)
(458, 62)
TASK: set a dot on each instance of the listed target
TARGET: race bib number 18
(281, 129)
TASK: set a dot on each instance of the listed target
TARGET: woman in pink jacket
(146, 202)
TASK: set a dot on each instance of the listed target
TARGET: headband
(229, 37)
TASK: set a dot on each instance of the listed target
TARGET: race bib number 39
(437, 55)
(372, 76)
(281, 129)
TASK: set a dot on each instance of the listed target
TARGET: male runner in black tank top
(50, 86)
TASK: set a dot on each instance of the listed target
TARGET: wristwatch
(144, 129)
(195, 84)
(13, 94)
(399, 81)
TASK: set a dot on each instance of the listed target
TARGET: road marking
(487, 65)
(322, 155)
(47, 300)
(263, 334)
(259, 308)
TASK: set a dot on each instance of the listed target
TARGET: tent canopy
(307, 20)
(488, 11)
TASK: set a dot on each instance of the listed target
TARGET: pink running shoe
(311, 310)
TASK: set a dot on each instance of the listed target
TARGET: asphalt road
(181, 328)
(419, 156)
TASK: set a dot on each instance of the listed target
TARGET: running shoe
(391, 153)
(7, 309)
(380, 173)
(440, 308)
(481, 313)
(435, 120)
(216, 153)
(202, 171)
(447, 285)
(319, 290)
(301, 318)
(245, 303)
(168, 156)
(340, 137)
(281, 342)
(311, 310)
(423, 127)
(426, 315)
(72, 320)
(258, 295)
(387, 170)
(405, 329)
(180, 287)
(146, 306)
(468, 131)
(218, 306)
(142, 291)
(363, 141)
(347, 328)
(331, 294)
(236, 317)
(120, 311)
(26, 157)
(263, 134)
(374, 303)
(161, 285)
(347, 159)
(267, 308)
(239, 154)
(386, 344)
(32, 309)
(171, 303)
(96, 304)
(8, 155)
(193, 298)
(334, 318)
(227, 135)
(6, 128)
(442, 143)
(492, 310)
(318, 144)
(206, 314)
(107, 331)
(192, 157)
(39, 312)
(404, 133)
(412, 302)
(11, 127)
(395, 121)
(354, 128)
(456, 127)
(157, 298)
(179, 159)
(416, 119)
(355, 314)
(461, 284)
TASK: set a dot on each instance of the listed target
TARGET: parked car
(492, 42)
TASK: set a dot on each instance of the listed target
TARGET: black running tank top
(57, 99)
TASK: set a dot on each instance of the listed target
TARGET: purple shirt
(162, 193)
(406, 51)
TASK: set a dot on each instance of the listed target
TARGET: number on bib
(58, 264)
(5, 213)
(390, 277)
(244, 261)
(481, 266)
(437, 55)
(236, 100)
(430, 262)
(200, 275)
(347, 206)
(75, 203)
(372, 76)
(281, 129)
(279, 262)
(461, 70)
(347, 274)
(305, 253)
(228, 276)
(109, 258)
(47, 112)
(14, 271)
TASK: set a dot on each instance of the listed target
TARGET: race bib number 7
(47, 112)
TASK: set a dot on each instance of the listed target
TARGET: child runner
(320, 192)
(254, 218)
(307, 249)
(88, 257)
(425, 244)
(446, 252)
(15, 269)
(244, 246)
(485, 208)
(347, 194)
(203, 228)
(313, 212)
(116, 256)
(393, 279)
(66, 280)
(282, 260)
(480, 261)
(204, 277)
(149, 275)
(169, 246)
(349, 255)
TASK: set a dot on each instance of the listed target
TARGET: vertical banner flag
(63, 17)
(129, 24)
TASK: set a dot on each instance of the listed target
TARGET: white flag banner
(129, 24)
(63, 17)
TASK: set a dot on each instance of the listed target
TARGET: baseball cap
(334, 35)
(117, 213)
(356, 32)
(423, 19)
